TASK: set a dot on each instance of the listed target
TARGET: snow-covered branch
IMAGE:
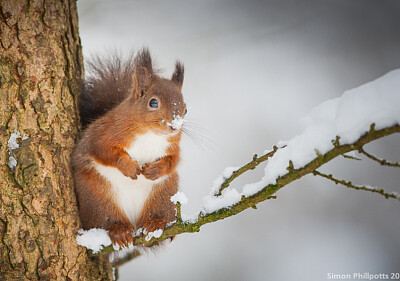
(333, 128)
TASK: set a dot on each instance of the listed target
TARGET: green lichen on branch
(268, 191)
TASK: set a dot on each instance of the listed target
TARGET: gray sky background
(253, 70)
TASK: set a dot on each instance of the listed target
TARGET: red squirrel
(124, 165)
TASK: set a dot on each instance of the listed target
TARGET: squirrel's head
(158, 101)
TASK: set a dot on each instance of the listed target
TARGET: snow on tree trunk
(40, 69)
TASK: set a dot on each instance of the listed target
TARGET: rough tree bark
(40, 69)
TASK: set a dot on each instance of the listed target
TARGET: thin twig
(383, 162)
(128, 257)
(351, 157)
(249, 166)
(349, 184)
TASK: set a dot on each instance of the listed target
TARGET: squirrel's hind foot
(121, 233)
(155, 224)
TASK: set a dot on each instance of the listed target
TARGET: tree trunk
(40, 70)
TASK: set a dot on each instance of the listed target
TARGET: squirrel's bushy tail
(107, 84)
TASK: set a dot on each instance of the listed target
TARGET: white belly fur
(131, 194)
(148, 147)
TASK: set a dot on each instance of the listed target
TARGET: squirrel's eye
(153, 103)
(185, 112)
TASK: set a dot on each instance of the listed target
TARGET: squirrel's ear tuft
(177, 76)
(143, 59)
(143, 72)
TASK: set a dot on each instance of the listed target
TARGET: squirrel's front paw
(153, 170)
(129, 168)
(121, 233)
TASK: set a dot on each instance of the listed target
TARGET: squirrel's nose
(176, 122)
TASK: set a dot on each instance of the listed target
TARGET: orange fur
(105, 142)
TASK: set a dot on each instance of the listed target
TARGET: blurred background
(253, 69)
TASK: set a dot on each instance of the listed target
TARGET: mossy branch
(268, 191)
